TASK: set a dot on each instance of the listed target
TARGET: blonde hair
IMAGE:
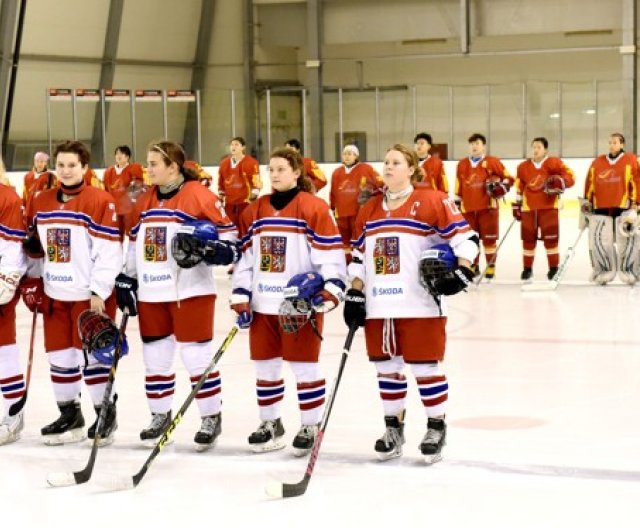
(412, 160)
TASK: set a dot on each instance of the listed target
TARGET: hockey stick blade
(61, 479)
(280, 490)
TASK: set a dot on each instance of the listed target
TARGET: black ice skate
(491, 272)
(108, 427)
(268, 436)
(153, 432)
(434, 440)
(209, 432)
(68, 428)
(551, 274)
(526, 275)
(303, 441)
(390, 444)
(10, 428)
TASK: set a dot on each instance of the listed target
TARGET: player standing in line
(179, 228)
(289, 238)
(39, 178)
(481, 181)
(539, 183)
(13, 264)
(121, 181)
(238, 179)
(311, 170)
(611, 196)
(352, 184)
(433, 175)
(403, 322)
(74, 239)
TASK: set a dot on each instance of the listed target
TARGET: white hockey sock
(311, 391)
(160, 379)
(12, 383)
(392, 384)
(433, 388)
(269, 388)
(65, 373)
(96, 376)
(196, 358)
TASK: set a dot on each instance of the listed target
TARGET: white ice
(543, 416)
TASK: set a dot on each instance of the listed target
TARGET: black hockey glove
(355, 311)
(127, 293)
(221, 253)
(453, 282)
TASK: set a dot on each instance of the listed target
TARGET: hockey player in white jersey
(179, 230)
(75, 245)
(401, 237)
(290, 245)
(13, 264)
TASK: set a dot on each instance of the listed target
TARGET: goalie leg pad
(601, 249)
(628, 248)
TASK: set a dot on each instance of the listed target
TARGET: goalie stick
(19, 405)
(60, 479)
(131, 482)
(283, 490)
(553, 283)
(477, 281)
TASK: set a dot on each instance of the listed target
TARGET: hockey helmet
(297, 307)
(554, 185)
(190, 241)
(437, 262)
(100, 337)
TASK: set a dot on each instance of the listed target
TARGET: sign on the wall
(148, 96)
(181, 96)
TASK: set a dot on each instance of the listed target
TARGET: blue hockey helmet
(99, 336)
(436, 262)
(190, 241)
(296, 308)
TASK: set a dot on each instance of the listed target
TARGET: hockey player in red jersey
(540, 181)
(179, 229)
(39, 178)
(289, 242)
(401, 237)
(13, 264)
(481, 181)
(311, 170)
(74, 239)
(611, 197)
(352, 184)
(238, 179)
(433, 175)
(121, 181)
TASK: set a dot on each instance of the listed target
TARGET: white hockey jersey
(81, 242)
(276, 245)
(387, 248)
(12, 231)
(155, 221)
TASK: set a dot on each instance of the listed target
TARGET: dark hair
(124, 149)
(294, 143)
(476, 137)
(619, 136)
(412, 160)
(542, 140)
(240, 140)
(425, 136)
(74, 147)
(172, 152)
(296, 163)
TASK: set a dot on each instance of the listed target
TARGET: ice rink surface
(544, 426)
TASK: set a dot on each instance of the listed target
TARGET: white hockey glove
(9, 279)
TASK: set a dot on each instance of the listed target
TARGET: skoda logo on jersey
(50, 277)
(145, 278)
(393, 290)
(270, 288)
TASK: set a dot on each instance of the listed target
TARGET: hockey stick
(282, 490)
(477, 281)
(19, 405)
(553, 283)
(132, 482)
(62, 478)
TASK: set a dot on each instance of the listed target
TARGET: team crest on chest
(386, 255)
(155, 244)
(272, 253)
(59, 245)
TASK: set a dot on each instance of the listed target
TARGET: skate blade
(70, 437)
(60, 479)
(201, 448)
(383, 457)
(273, 445)
(432, 459)
(10, 438)
(299, 452)
(151, 442)
(103, 442)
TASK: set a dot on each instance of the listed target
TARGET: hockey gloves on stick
(127, 293)
(241, 304)
(355, 311)
(32, 291)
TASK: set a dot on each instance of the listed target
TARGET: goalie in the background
(411, 248)
(291, 248)
(179, 229)
(540, 181)
(610, 202)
